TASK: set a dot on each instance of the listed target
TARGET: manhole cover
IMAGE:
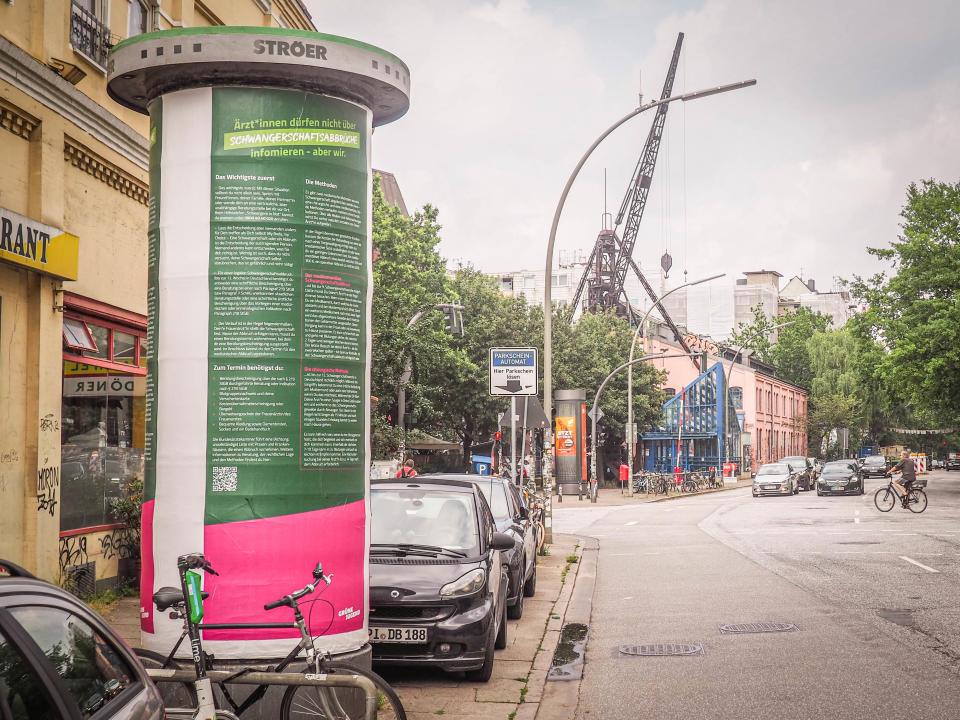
(663, 649)
(760, 627)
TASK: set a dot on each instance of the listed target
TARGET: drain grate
(663, 649)
(760, 627)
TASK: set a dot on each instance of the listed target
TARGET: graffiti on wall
(73, 551)
(48, 485)
(120, 543)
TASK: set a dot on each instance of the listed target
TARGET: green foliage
(790, 353)
(755, 335)
(914, 313)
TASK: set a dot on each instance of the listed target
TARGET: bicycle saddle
(169, 596)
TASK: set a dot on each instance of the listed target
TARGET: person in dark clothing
(908, 474)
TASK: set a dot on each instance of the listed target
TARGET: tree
(914, 313)
(755, 335)
(490, 320)
(790, 354)
(408, 276)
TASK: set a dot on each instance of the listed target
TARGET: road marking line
(905, 534)
(629, 597)
(919, 565)
(633, 522)
(856, 520)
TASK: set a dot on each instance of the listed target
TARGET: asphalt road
(875, 597)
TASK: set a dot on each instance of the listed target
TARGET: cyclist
(908, 471)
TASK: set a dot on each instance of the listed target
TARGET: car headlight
(466, 584)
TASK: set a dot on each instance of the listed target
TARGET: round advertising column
(569, 449)
(259, 298)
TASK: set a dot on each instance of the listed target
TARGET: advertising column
(259, 302)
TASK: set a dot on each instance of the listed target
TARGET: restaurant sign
(38, 247)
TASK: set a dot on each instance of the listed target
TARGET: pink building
(770, 411)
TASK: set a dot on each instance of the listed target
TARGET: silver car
(65, 660)
(776, 479)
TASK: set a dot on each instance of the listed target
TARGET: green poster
(287, 318)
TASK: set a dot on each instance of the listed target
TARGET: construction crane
(611, 257)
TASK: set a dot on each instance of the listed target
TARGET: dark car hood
(414, 577)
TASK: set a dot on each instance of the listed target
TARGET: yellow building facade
(73, 277)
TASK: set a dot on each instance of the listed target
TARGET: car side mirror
(524, 514)
(502, 541)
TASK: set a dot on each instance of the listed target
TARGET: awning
(419, 440)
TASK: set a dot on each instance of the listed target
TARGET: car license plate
(838, 488)
(770, 487)
(398, 634)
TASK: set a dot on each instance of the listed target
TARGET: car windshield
(876, 459)
(837, 467)
(773, 470)
(421, 516)
(498, 503)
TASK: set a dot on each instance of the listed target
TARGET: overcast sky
(855, 99)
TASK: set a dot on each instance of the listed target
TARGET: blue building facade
(701, 422)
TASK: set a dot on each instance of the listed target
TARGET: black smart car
(438, 582)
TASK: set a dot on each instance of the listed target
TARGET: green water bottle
(194, 598)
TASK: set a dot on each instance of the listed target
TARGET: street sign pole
(513, 438)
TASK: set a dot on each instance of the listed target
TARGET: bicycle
(690, 484)
(886, 497)
(326, 689)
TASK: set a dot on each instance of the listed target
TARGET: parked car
(953, 463)
(512, 518)
(804, 468)
(873, 465)
(778, 478)
(840, 477)
(59, 659)
(438, 580)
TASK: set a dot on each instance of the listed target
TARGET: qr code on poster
(224, 479)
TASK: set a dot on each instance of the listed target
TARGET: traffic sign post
(513, 371)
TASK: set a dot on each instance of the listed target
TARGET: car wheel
(515, 611)
(530, 586)
(485, 671)
(501, 641)
(819, 494)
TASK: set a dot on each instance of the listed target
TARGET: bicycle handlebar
(291, 599)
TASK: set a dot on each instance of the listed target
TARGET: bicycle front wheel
(884, 499)
(301, 702)
(918, 501)
(175, 694)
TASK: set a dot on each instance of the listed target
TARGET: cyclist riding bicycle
(908, 477)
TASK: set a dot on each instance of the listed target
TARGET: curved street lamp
(548, 278)
(633, 345)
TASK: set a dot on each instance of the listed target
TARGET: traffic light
(452, 322)
(496, 436)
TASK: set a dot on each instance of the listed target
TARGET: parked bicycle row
(672, 483)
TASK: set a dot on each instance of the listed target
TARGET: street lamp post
(596, 406)
(633, 345)
(548, 279)
(726, 395)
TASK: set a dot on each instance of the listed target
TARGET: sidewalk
(519, 673)
(607, 496)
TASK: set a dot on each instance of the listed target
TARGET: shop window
(103, 412)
